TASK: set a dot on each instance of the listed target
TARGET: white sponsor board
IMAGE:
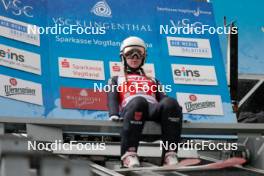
(189, 47)
(22, 90)
(80, 68)
(117, 69)
(194, 74)
(18, 30)
(20, 59)
(200, 103)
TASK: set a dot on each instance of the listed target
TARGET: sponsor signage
(22, 90)
(77, 98)
(117, 69)
(194, 74)
(195, 12)
(202, 104)
(18, 30)
(20, 59)
(189, 47)
(80, 68)
(102, 9)
(17, 8)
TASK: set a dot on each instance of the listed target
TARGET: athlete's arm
(112, 95)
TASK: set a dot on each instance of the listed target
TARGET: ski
(186, 165)
(231, 162)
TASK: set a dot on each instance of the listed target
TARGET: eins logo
(102, 9)
(11, 55)
(17, 8)
(186, 73)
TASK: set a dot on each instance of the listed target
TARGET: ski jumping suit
(137, 106)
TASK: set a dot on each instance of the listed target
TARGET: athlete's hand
(116, 118)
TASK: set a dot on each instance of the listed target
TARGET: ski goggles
(131, 51)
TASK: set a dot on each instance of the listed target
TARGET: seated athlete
(135, 99)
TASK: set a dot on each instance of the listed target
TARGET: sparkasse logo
(65, 64)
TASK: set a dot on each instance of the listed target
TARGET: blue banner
(191, 64)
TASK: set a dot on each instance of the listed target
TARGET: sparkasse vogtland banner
(60, 63)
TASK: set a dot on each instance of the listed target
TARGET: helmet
(132, 42)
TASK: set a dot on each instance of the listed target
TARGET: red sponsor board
(77, 98)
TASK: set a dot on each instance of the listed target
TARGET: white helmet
(132, 41)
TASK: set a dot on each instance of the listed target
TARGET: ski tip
(228, 163)
(237, 160)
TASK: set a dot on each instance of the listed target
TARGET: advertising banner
(22, 90)
(17, 30)
(200, 104)
(84, 69)
(75, 98)
(79, 47)
(189, 47)
(20, 59)
(194, 74)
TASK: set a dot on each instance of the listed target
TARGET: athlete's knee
(139, 103)
(171, 104)
(136, 111)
